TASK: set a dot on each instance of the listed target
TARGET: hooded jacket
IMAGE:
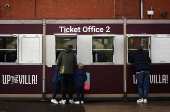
(80, 77)
(66, 61)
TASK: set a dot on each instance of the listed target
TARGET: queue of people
(64, 72)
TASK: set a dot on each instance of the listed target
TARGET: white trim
(104, 35)
(104, 49)
(85, 21)
(139, 35)
(103, 63)
(65, 35)
(147, 21)
(21, 22)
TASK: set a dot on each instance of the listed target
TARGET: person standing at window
(67, 61)
(141, 62)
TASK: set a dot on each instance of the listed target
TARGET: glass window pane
(102, 42)
(106, 46)
(8, 55)
(8, 42)
(134, 42)
(103, 56)
(62, 42)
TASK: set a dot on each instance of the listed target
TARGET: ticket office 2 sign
(84, 29)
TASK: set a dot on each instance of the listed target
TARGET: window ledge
(103, 63)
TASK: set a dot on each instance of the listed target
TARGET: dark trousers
(80, 90)
(55, 90)
(67, 79)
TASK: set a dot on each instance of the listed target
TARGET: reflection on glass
(8, 43)
(134, 42)
(8, 56)
(102, 49)
(8, 49)
(102, 42)
(63, 42)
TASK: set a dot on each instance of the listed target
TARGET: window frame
(71, 35)
(139, 36)
(103, 35)
(7, 36)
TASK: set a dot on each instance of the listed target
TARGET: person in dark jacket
(80, 77)
(141, 62)
(55, 81)
(67, 61)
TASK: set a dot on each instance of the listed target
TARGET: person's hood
(67, 49)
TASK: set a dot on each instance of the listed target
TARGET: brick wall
(71, 9)
(127, 8)
(157, 6)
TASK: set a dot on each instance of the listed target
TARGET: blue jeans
(55, 85)
(143, 84)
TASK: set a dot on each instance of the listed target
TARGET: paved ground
(119, 106)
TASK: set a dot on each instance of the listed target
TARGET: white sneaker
(77, 102)
(62, 101)
(140, 101)
(71, 101)
(54, 101)
(82, 102)
(145, 101)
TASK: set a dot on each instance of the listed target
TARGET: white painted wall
(84, 49)
(50, 50)
(118, 50)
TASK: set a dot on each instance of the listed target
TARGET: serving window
(63, 40)
(103, 48)
(30, 48)
(133, 41)
(8, 48)
(160, 49)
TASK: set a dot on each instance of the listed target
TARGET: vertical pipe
(35, 9)
(114, 9)
(44, 54)
(125, 61)
(141, 9)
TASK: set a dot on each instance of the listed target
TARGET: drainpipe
(141, 9)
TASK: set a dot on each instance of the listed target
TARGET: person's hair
(80, 66)
(70, 46)
(140, 47)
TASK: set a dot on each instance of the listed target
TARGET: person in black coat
(141, 62)
(56, 82)
(80, 78)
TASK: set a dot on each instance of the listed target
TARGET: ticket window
(63, 40)
(133, 41)
(103, 48)
(8, 48)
